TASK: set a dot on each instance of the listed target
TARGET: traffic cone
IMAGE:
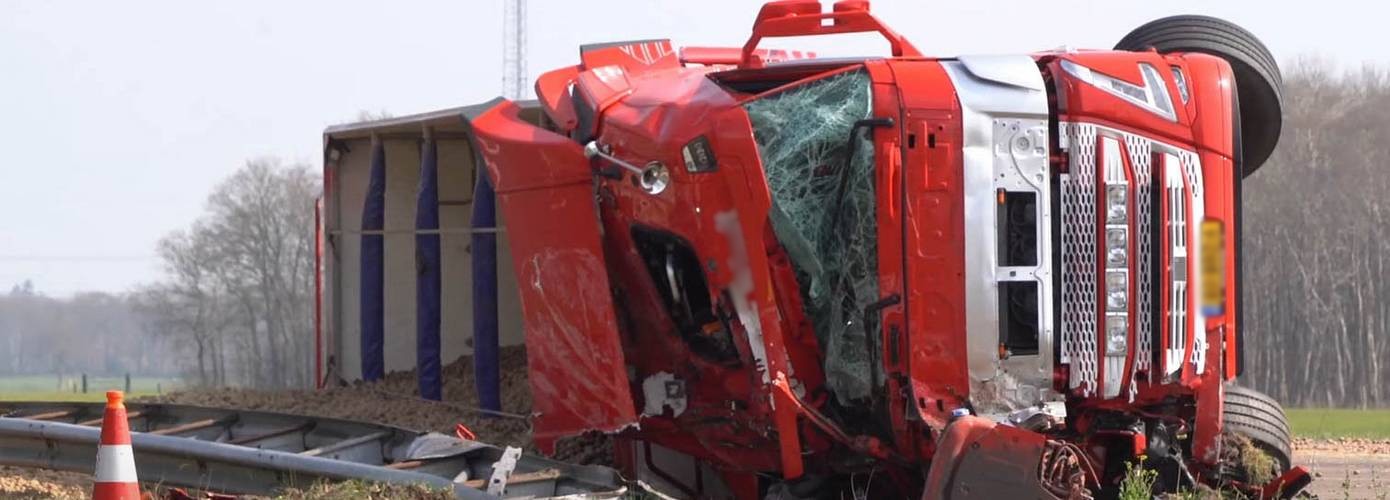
(115, 474)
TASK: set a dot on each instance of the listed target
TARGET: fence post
(84, 383)
(127, 383)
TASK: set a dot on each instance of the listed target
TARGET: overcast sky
(117, 118)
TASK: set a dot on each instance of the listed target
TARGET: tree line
(1316, 262)
(90, 332)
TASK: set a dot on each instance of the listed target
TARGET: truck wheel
(1259, 86)
(1259, 417)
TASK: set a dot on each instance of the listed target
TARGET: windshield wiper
(869, 123)
(870, 311)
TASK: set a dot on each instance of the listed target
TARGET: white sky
(117, 118)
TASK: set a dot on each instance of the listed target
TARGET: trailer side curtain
(427, 279)
(373, 306)
(485, 344)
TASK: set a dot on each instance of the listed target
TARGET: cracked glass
(823, 215)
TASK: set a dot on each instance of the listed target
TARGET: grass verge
(68, 387)
(350, 490)
(1320, 423)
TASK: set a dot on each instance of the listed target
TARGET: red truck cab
(771, 263)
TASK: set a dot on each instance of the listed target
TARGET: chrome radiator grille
(1080, 251)
(1192, 168)
(1178, 298)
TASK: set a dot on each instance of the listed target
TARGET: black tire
(1259, 417)
(1259, 86)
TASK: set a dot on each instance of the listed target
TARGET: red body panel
(1213, 94)
(934, 234)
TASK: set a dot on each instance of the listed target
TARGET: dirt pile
(395, 401)
(17, 483)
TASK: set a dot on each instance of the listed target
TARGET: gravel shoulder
(1346, 468)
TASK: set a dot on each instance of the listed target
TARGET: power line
(75, 258)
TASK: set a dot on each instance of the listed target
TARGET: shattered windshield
(823, 214)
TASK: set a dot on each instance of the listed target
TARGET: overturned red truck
(964, 277)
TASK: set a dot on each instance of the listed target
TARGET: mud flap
(544, 185)
(978, 458)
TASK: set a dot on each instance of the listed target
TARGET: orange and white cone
(115, 474)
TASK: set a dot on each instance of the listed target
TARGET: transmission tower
(514, 50)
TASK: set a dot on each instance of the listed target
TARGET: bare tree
(239, 283)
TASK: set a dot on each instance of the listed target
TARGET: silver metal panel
(1004, 69)
(1004, 115)
(1020, 166)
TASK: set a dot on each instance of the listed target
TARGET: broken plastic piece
(463, 433)
(663, 390)
(497, 484)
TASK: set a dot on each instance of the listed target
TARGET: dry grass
(1256, 465)
(353, 490)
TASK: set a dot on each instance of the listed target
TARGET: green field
(1329, 423)
(61, 388)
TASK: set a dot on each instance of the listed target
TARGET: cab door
(933, 254)
(544, 185)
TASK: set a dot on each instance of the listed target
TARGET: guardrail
(244, 452)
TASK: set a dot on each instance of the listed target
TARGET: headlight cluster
(1116, 336)
(1116, 205)
(1116, 270)
(1152, 96)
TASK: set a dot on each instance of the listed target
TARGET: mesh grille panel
(1079, 257)
(1141, 153)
